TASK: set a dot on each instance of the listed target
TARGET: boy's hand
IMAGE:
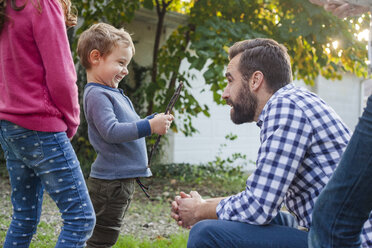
(161, 123)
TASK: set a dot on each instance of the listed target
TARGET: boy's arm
(100, 112)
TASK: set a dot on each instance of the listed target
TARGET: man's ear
(94, 57)
(256, 80)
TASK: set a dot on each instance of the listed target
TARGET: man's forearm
(207, 210)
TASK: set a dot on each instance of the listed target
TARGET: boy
(115, 130)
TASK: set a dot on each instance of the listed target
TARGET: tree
(212, 26)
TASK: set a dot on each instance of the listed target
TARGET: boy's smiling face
(110, 69)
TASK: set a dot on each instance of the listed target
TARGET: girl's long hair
(68, 10)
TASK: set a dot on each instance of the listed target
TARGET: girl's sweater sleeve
(60, 75)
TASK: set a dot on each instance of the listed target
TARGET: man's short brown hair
(104, 38)
(267, 56)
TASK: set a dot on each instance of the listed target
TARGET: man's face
(238, 95)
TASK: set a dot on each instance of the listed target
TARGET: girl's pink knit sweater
(37, 76)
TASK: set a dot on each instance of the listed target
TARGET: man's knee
(203, 234)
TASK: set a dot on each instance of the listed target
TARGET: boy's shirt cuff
(144, 128)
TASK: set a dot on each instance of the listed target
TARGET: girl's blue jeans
(282, 232)
(43, 160)
(346, 202)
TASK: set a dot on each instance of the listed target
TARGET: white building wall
(143, 30)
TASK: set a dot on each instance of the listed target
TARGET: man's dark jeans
(282, 232)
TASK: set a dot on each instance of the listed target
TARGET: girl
(39, 112)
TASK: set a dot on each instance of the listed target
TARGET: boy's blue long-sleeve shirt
(116, 133)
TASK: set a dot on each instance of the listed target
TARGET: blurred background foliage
(318, 43)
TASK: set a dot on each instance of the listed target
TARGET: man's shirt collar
(261, 116)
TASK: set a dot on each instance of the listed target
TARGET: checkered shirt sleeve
(284, 141)
(366, 236)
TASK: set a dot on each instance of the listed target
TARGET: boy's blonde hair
(104, 38)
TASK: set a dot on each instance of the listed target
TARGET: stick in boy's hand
(168, 109)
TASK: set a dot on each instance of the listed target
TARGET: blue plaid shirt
(302, 140)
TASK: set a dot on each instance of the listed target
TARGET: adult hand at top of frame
(318, 2)
(161, 123)
(342, 9)
(184, 208)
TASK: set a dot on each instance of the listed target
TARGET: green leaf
(148, 4)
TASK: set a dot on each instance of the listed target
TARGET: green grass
(4, 223)
(174, 241)
(45, 238)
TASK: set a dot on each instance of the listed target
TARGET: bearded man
(302, 140)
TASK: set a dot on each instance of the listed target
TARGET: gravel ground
(148, 218)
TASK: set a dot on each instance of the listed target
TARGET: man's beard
(244, 107)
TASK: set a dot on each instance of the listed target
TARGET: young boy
(115, 130)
